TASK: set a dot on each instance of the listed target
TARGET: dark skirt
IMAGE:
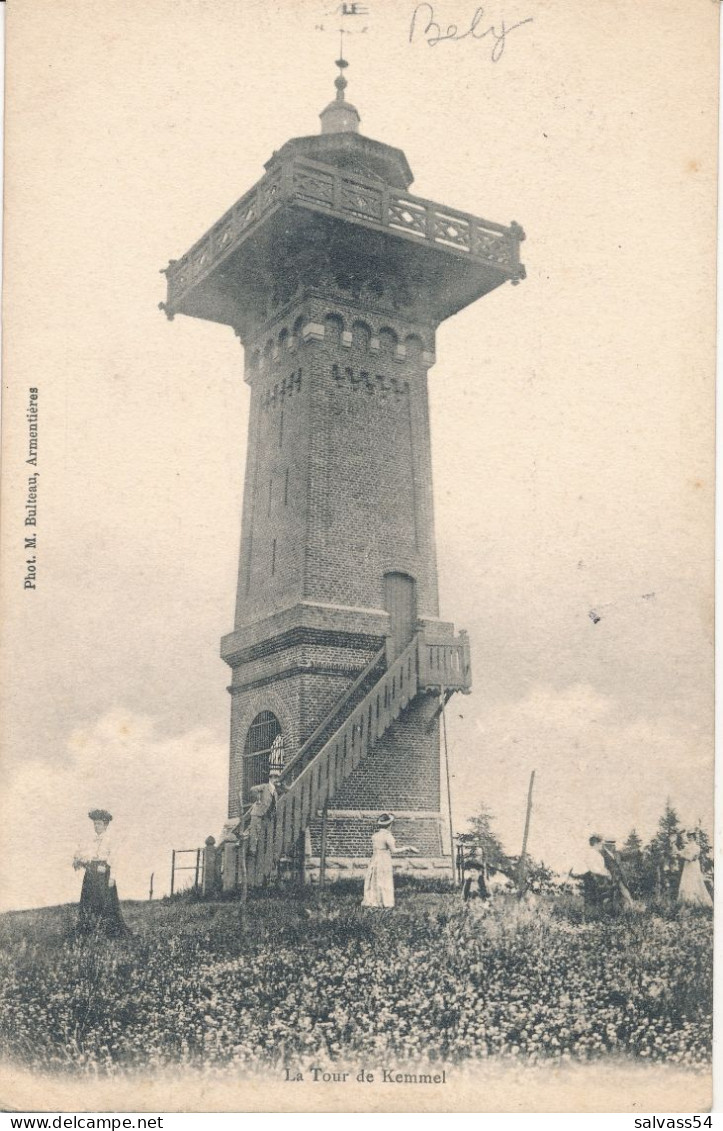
(598, 892)
(99, 910)
(474, 887)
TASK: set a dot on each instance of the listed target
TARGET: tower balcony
(459, 256)
(444, 665)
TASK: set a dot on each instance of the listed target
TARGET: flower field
(293, 985)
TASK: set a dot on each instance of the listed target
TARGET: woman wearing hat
(691, 889)
(379, 880)
(99, 906)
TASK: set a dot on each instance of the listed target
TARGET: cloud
(164, 793)
(595, 769)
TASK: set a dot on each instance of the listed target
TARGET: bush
(295, 981)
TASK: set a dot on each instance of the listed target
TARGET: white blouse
(594, 862)
(98, 847)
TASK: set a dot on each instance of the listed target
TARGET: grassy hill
(293, 983)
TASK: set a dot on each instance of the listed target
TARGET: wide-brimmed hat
(100, 815)
(384, 820)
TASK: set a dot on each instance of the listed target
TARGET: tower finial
(339, 116)
(340, 82)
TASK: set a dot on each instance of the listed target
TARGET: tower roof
(340, 191)
(341, 144)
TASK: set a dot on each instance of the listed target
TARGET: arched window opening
(263, 750)
(414, 345)
(333, 326)
(361, 335)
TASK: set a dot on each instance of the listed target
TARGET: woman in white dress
(379, 880)
(691, 889)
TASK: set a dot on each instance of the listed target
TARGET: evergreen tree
(539, 876)
(706, 853)
(663, 865)
(633, 847)
(633, 863)
(480, 833)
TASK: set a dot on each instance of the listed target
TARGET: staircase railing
(294, 766)
(338, 757)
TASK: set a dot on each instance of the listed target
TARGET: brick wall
(274, 523)
(402, 770)
(338, 491)
(352, 836)
(338, 477)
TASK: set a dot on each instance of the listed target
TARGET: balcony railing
(328, 189)
(444, 666)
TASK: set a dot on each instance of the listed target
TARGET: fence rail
(196, 867)
(348, 195)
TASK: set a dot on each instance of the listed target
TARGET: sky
(571, 416)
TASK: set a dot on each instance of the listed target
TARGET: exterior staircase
(314, 775)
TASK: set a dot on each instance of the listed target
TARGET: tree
(706, 855)
(480, 833)
(538, 876)
(663, 865)
(632, 858)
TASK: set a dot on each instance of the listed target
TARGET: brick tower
(335, 278)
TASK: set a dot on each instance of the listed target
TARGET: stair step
(335, 749)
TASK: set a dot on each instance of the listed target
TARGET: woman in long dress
(379, 880)
(99, 907)
(691, 889)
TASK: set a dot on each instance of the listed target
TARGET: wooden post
(460, 863)
(229, 849)
(522, 867)
(244, 890)
(322, 861)
(150, 889)
(244, 870)
(210, 854)
(198, 869)
(173, 868)
(466, 657)
(449, 794)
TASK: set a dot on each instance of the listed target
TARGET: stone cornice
(350, 627)
(305, 637)
(341, 670)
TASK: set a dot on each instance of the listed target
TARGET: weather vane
(346, 13)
